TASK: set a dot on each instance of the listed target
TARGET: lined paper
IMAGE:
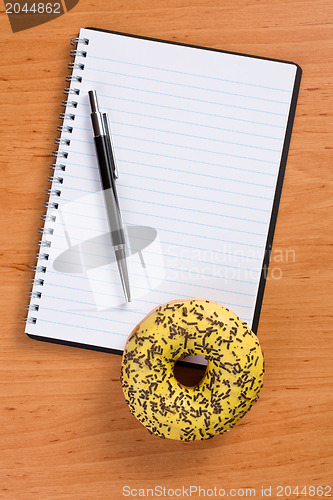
(198, 138)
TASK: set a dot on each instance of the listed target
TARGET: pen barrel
(106, 165)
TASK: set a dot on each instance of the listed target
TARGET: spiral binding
(65, 128)
(81, 53)
(73, 78)
(69, 91)
(76, 41)
(67, 104)
(73, 65)
(67, 116)
(58, 166)
(56, 179)
(58, 141)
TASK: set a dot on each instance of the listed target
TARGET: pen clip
(108, 134)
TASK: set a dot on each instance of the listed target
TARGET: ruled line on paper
(191, 185)
(167, 280)
(186, 73)
(203, 113)
(169, 268)
(176, 132)
(120, 296)
(94, 167)
(93, 254)
(221, 240)
(195, 124)
(182, 220)
(172, 145)
(172, 206)
(164, 94)
(89, 316)
(80, 178)
(180, 257)
(179, 296)
(185, 85)
(74, 325)
(67, 299)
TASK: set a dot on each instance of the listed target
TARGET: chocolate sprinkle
(230, 384)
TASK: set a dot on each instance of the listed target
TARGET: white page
(198, 137)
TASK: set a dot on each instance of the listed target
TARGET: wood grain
(66, 432)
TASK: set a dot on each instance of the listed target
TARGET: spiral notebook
(201, 139)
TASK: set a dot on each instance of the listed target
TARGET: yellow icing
(229, 387)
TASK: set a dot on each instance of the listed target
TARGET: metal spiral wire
(76, 52)
(75, 41)
(65, 128)
(58, 166)
(56, 180)
(69, 104)
(66, 116)
(73, 65)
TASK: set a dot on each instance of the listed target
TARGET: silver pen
(109, 173)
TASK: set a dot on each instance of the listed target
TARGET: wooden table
(66, 432)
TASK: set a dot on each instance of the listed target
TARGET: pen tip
(122, 267)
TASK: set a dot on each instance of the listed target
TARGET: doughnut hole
(189, 375)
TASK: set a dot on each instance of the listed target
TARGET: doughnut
(230, 384)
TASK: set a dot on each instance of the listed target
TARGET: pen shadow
(97, 252)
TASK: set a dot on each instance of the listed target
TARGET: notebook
(201, 139)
